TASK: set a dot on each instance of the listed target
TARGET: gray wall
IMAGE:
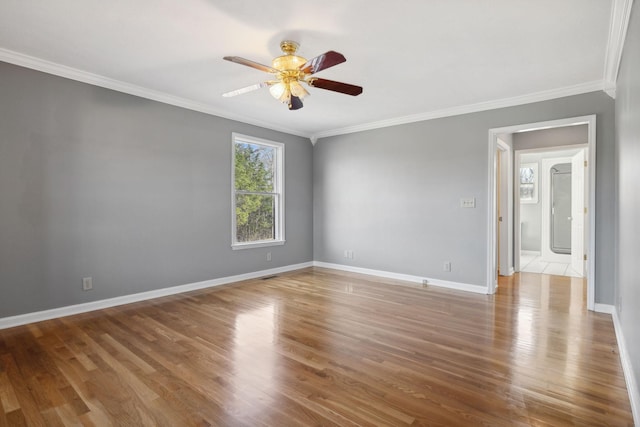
(136, 193)
(546, 138)
(628, 192)
(132, 192)
(393, 195)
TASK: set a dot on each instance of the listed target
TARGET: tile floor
(532, 263)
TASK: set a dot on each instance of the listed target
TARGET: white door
(577, 212)
(504, 208)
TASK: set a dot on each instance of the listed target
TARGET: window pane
(255, 217)
(254, 168)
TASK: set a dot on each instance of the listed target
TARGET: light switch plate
(468, 202)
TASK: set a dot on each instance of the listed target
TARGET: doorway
(589, 202)
(552, 217)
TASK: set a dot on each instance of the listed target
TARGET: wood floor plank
(323, 347)
(29, 412)
(8, 399)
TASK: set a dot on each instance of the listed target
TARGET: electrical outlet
(425, 283)
(268, 256)
(348, 253)
(446, 266)
(87, 283)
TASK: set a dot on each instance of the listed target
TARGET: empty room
(359, 213)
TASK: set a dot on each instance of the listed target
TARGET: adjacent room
(338, 213)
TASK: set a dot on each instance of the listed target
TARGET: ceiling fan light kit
(290, 70)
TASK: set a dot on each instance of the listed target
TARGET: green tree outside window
(256, 196)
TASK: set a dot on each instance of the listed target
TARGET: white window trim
(279, 189)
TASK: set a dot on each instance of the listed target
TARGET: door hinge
(585, 163)
(585, 210)
(585, 257)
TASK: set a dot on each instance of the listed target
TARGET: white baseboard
(22, 319)
(627, 368)
(604, 308)
(406, 277)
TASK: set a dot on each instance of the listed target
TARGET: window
(529, 183)
(258, 192)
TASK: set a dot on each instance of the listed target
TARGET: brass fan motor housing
(289, 63)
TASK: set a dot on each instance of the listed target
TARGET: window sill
(240, 246)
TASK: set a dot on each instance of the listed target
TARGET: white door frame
(506, 206)
(579, 199)
(590, 121)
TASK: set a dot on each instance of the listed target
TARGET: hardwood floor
(321, 347)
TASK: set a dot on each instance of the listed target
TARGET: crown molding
(620, 15)
(471, 108)
(38, 64)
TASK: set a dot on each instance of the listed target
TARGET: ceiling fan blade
(295, 103)
(252, 64)
(245, 89)
(322, 62)
(345, 88)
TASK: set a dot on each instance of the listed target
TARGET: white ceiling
(414, 58)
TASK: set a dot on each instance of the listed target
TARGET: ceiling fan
(290, 70)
